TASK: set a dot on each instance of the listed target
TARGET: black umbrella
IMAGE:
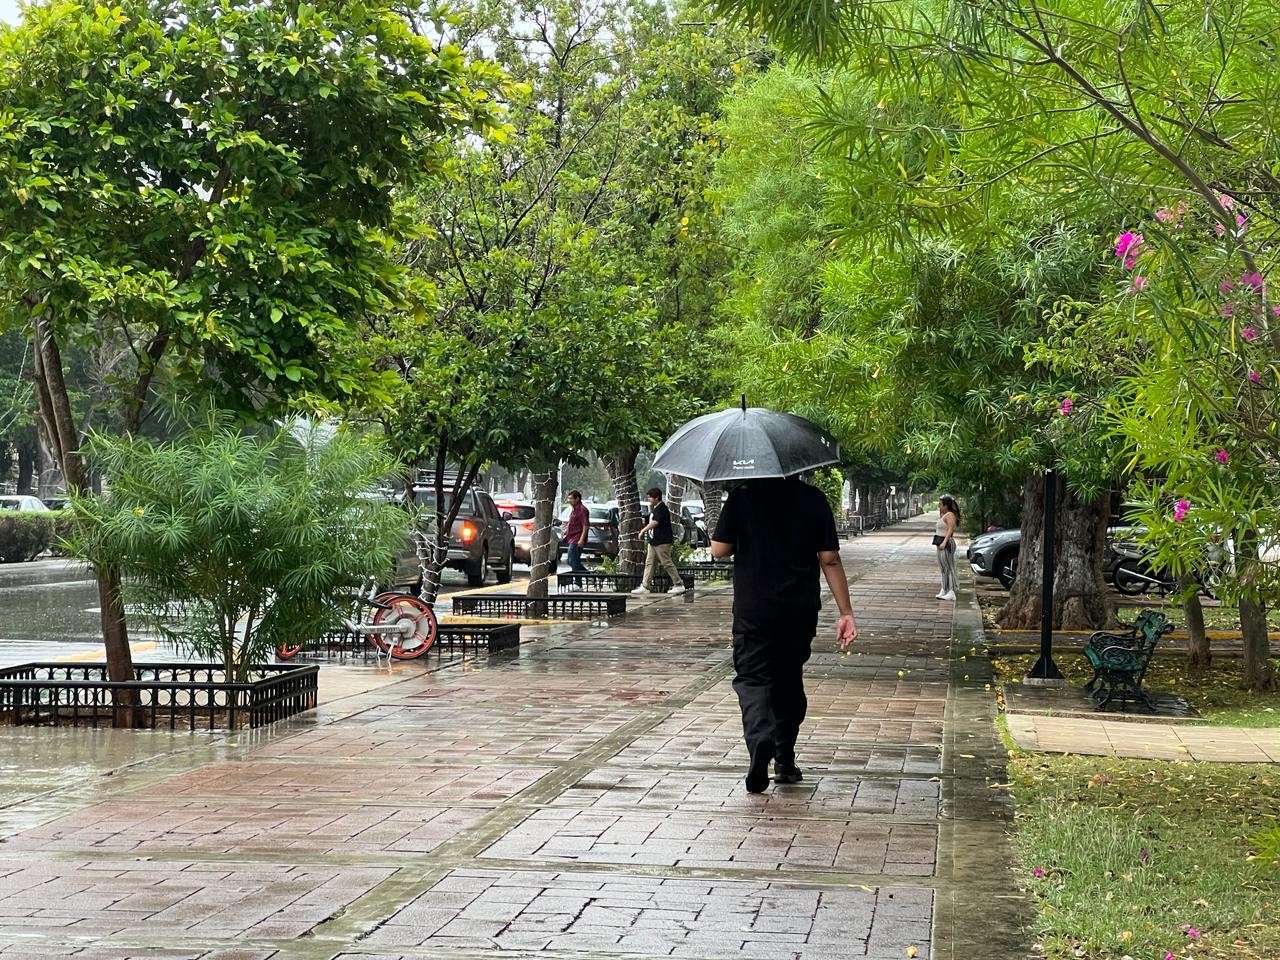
(739, 444)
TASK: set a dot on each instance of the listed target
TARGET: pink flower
(1248, 334)
(1066, 406)
(1193, 933)
(1228, 309)
(1253, 280)
(1038, 872)
(1127, 245)
(1275, 311)
(1225, 287)
(1139, 281)
(1144, 856)
(1169, 956)
(1180, 510)
(1222, 457)
(1255, 376)
(1226, 201)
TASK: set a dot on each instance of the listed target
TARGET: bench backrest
(1152, 629)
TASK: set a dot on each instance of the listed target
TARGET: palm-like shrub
(232, 544)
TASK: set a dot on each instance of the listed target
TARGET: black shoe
(786, 772)
(758, 772)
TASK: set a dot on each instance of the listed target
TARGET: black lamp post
(1045, 672)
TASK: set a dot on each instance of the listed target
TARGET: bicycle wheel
(397, 608)
(1129, 579)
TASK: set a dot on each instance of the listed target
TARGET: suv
(519, 517)
(995, 554)
(479, 541)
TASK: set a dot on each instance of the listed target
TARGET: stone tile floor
(582, 799)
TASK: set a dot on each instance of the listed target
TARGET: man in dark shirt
(575, 534)
(660, 541)
(780, 534)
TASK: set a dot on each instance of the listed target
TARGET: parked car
(602, 536)
(693, 516)
(22, 502)
(480, 541)
(995, 554)
(61, 502)
(519, 517)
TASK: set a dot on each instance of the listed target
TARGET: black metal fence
(615, 582)
(453, 640)
(177, 695)
(564, 606)
(479, 637)
(706, 571)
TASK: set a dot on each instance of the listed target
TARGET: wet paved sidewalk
(1146, 740)
(583, 800)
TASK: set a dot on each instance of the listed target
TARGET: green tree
(920, 358)
(212, 182)
(232, 545)
(1131, 102)
(547, 337)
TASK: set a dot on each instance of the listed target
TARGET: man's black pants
(769, 664)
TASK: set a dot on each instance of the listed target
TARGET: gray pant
(660, 553)
(947, 564)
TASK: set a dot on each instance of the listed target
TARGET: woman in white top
(944, 538)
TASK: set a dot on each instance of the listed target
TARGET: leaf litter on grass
(1144, 858)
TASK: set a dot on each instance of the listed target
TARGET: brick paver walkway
(1145, 740)
(583, 798)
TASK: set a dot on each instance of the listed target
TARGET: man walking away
(659, 546)
(780, 534)
(575, 534)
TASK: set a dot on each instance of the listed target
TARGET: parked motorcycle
(1134, 574)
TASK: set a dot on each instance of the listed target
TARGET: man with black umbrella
(780, 533)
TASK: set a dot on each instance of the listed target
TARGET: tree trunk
(1258, 673)
(55, 409)
(712, 491)
(1080, 532)
(26, 466)
(621, 465)
(1022, 610)
(1079, 591)
(1199, 656)
(675, 500)
(545, 487)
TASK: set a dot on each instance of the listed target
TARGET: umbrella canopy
(739, 444)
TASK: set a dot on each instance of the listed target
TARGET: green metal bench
(1120, 660)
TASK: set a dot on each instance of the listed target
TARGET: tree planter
(180, 696)
(454, 641)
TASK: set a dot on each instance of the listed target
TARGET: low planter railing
(558, 606)
(177, 695)
(615, 582)
(706, 571)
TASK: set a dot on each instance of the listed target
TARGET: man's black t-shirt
(777, 528)
(662, 533)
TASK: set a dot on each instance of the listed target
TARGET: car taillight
(468, 533)
(527, 525)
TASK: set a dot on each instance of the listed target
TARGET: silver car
(519, 516)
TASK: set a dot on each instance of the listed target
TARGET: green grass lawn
(1216, 619)
(1215, 693)
(1141, 860)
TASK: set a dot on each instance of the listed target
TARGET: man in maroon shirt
(575, 534)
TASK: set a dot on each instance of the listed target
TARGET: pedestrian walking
(575, 533)
(661, 536)
(780, 533)
(944, 539)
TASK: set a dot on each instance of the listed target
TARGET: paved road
(582, 800)
(49, 611)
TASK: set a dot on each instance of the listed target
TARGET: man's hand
(846, 631)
